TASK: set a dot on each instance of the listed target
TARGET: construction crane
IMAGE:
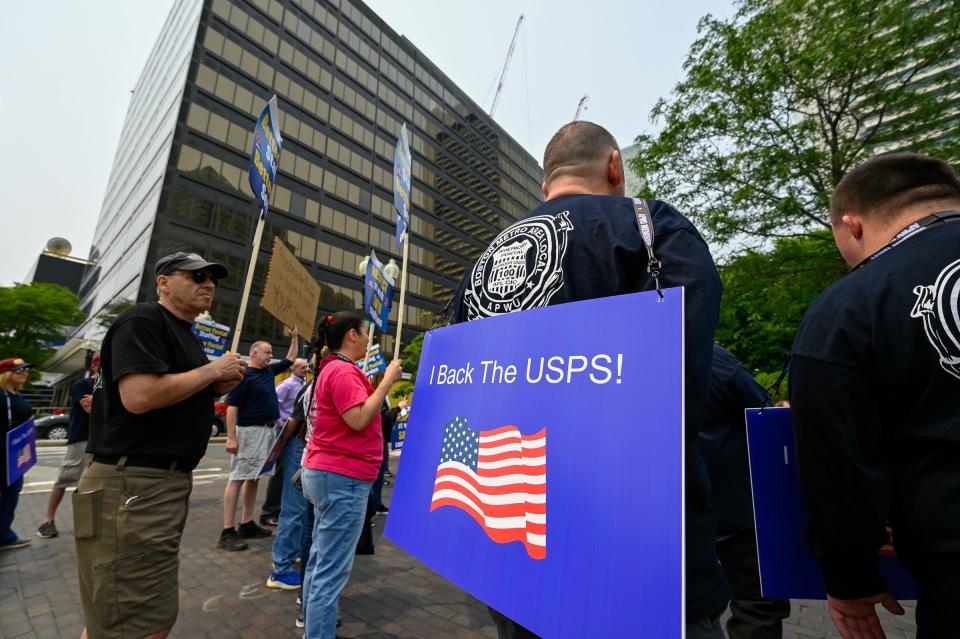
(581, 107)
(506, 64)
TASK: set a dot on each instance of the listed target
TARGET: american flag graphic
(498, 477)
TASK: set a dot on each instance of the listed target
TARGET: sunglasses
(199, 277)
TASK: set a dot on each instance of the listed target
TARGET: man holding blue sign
(874, 382)
(589, 241)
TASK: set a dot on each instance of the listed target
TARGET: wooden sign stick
(246, 286)
(403, 293)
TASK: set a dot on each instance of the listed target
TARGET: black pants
(937, 605)
(753, 616)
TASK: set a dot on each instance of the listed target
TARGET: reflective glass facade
(345, 83)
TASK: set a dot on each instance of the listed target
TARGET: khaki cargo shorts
(73, 464)
(128, 522)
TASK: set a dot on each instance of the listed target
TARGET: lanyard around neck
(909, 231)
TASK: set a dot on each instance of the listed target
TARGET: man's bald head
(582, 152)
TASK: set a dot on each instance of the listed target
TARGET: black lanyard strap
(645, 224)
(910, 230)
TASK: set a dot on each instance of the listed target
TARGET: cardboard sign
(265, 155)
(290, 293)
(543, 469)
(21, 450)
(213, 336)
(787, 570)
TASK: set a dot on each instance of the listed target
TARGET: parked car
(219, 425)
(52, 427)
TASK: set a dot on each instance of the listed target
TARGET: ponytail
(333, 328)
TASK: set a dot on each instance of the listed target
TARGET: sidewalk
(222, 594)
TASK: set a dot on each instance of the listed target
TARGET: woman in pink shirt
(341, 463)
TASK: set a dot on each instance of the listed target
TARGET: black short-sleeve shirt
(147, 338)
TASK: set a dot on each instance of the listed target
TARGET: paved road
(222, 594)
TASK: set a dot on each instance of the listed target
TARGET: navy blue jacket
(581, 247)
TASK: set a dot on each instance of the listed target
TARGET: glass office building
(345, 83)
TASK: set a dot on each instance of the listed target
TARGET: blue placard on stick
(374, 361)
(787, 570)
(213, 336)
(21, 450)
(399, 433)
(377, 293)
(265, 155)
(543, 472)
(402, 160)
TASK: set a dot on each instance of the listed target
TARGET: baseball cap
(188, 262)
(13, 364)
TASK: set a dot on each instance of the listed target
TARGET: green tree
(411, 357)
(32, 317)
(766, 293)
(781, 100)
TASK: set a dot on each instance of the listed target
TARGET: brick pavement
(222, 594)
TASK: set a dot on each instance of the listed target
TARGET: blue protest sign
(543, 471)
(787, 570)
(21, 450)
(401, 183)
(377, 293)
(399, 433)
(265, 154)
(213, 336)
(374, 361)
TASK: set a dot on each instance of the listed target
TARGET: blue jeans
(9, 496)
(286, 547)
(339, 506)
(378, 483)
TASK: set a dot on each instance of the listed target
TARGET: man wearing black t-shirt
(874, 386)
(253, 412)
(149, 427)
(584, 242)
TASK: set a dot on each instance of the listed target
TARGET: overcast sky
(67, 68)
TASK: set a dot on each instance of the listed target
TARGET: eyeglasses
(199, 277)
(22, 371)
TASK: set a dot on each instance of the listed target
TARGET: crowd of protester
(874, 378)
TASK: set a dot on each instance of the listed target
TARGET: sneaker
(47, 530)
(382, 510)
(269, 520)
(299, 621)
(16, 543)
(289, 580)
(250, 530)
(231, 541)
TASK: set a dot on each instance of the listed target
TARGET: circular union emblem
(521, 269)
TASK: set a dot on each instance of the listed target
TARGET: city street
(222, 594)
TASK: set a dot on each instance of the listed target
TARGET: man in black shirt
(76, 458)
(253, 412)
(874, 384)
(723, 443)
(584, 242)
(149, 427)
